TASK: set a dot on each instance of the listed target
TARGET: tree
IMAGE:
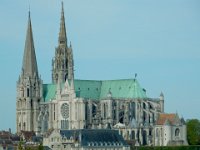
(193, 131)
(28, 148)
(40, 147)
(20, 147)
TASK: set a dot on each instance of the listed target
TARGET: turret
(62, 63)
(161, 102)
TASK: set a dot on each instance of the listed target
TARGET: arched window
(144, 105)
(31, 103)
(150, 132)
(132, 135)
(127, 135)
(66, 76)
(157, 133)
(24, 126)
(94, 110)
(121, 117)
(177, 132)
(28, 92)
(144, 135)
(104, 110)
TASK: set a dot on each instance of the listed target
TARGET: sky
(111, 39)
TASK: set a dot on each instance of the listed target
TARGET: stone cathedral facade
(69, 103)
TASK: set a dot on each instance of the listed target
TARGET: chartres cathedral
(67, 103)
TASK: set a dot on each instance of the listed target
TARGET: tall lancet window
(28, 92)
(177, 132)
(24, 126)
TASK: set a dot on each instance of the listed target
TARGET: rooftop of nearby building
(97, 90)
(171, 119)
(95, 137)
(27, 134)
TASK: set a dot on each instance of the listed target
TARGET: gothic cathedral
(69, 103)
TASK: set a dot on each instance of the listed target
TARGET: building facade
(69, 104)
(170, 130)
(85, 139)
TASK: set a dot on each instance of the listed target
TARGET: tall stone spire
(62, 34)
(29, 87)
(29, 66)
(62, 63)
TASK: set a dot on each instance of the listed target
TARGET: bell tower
(29, 87)
(62, 63)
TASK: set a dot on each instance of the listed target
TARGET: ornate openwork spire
(62, 63)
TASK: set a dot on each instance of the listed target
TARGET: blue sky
(112, 39)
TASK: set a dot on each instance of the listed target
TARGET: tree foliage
(20, 147)
(40, 147)
(193, 132)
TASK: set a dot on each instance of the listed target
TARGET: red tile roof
(164, 117)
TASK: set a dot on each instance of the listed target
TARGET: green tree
(40, 147)
(193, 131)
(20, 147)
(28, 148)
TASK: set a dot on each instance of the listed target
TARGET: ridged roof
(97, 90)
(95, 137)
(167, 118)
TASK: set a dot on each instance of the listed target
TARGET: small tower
(161, 102)
(29, 87)
(62, 63)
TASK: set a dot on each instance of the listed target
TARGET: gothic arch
(66, 76)
(144, 135)
(121, 117)
(28, 92)
(157, 133)
(94, 110)
(132, 135)
(24, 126)
(177, 132)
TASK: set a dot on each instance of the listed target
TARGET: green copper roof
(97, 90)
(89, 89)
(49, 91)
(128, 88)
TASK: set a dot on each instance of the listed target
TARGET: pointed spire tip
(29, 11)
(62, 3)
(62, 34)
